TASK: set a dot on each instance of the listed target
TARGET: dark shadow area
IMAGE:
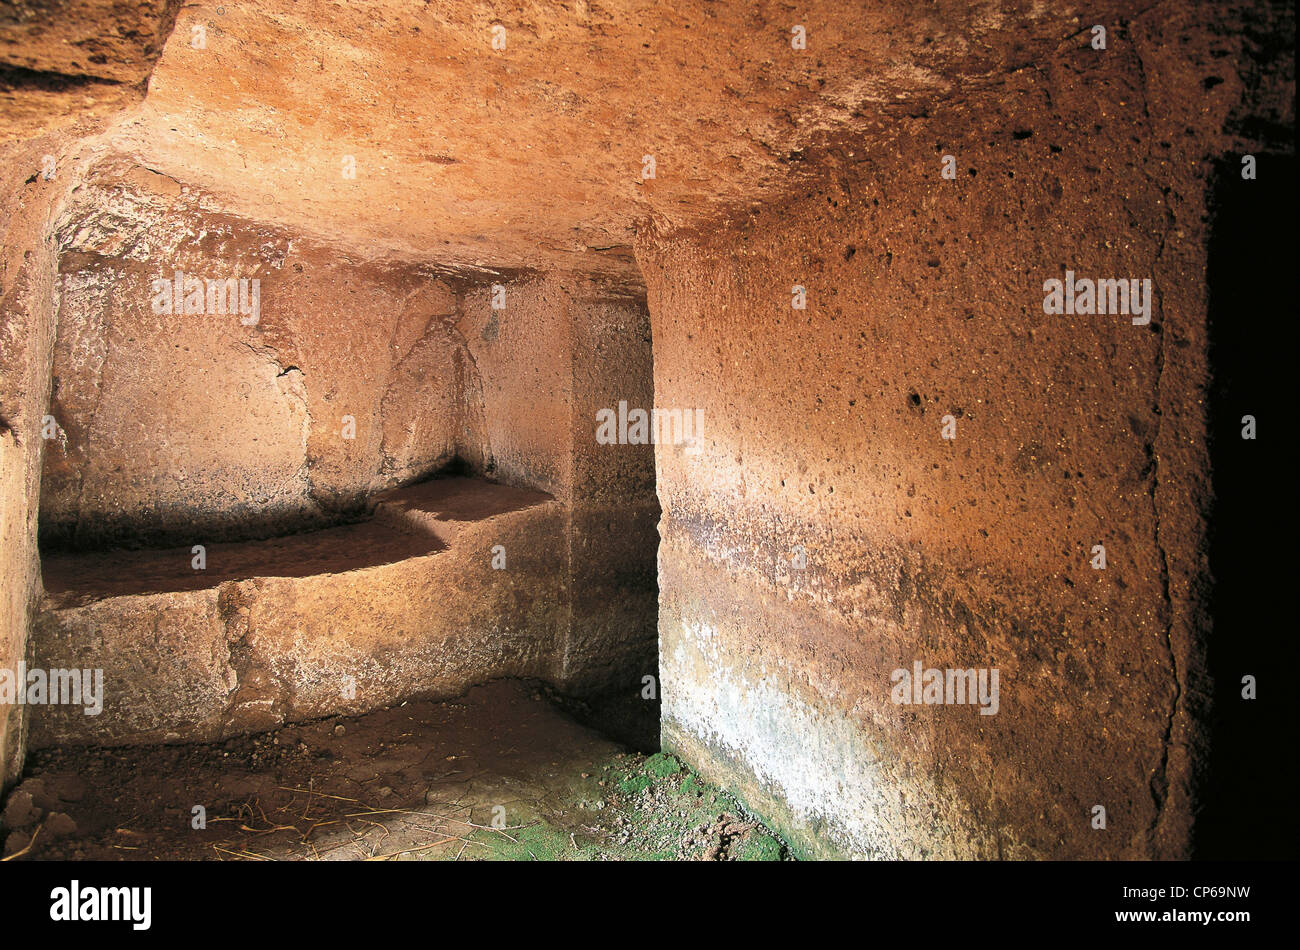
(242, 522)
(1247, 804)
(626, 716)
(404, 525)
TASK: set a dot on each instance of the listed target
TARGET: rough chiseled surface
(28, 275)
(533, 155)
(823, 438)
(180, 426)
(340, 620)
(63, 62)
(66, 69)
(407, 166)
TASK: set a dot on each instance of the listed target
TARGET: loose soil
(502, 773)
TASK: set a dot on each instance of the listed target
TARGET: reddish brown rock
(343, 619)
(442, 232)
(824, 442)
(69, 62)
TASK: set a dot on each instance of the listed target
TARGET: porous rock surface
(350, 618)
(408, 166)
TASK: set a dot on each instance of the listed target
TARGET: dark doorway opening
(1247, 805)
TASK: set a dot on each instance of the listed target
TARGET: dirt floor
(503, 773)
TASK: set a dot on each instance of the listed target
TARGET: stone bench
(337, 621)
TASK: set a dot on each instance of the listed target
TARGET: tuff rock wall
(915, 466)
(918, 464)
(64, 73)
